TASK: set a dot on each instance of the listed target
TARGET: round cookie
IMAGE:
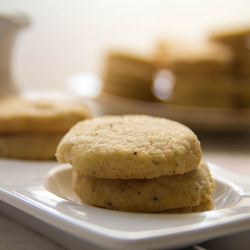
(236, 38)
(186, 192)
(129, 76)
(198, 58)
(130, 88)
(128, 147)
(130, 65)
(29, 147)
(19, 115)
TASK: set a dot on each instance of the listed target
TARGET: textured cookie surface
(186, 192)
(29, 147)
(205, 205)
(19, 115)
(132, 146)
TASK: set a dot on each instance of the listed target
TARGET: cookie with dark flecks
(130, 147)
(177, 193)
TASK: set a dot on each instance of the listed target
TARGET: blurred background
(70, 37)
(188, 61)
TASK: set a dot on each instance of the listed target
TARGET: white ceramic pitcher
(10, 24)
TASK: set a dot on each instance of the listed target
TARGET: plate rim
(113, 238)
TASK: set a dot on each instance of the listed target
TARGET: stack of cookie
(129, 75)
(33, 129)
(239, 42)
(202, 76)
(137, 163)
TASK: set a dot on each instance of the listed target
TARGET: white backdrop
(68, 37)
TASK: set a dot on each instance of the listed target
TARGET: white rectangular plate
(22, 186)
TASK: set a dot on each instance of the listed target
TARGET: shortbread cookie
(215, 90)
(236, 38)
(141, 72)
(130, 64)
(129, 75)
(131, 88)
(19, 115)
(33, 129)
(132, 146)
(187, 191)
(202, 59)
(32, 147)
